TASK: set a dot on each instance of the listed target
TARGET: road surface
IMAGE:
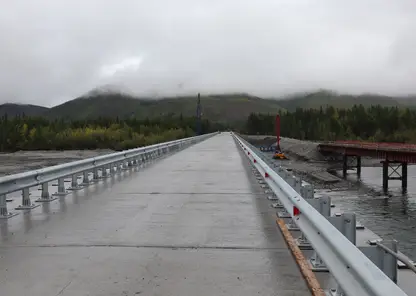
(194, 223)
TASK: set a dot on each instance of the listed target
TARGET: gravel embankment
(305, 160)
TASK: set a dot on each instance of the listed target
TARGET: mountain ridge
(217, 107)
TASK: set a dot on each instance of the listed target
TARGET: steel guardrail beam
(354, 271)
(20, 181)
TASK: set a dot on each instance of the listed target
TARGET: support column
(4, 213)
(104, 173)
(359, 166)
(26, 202)
(345, 165)
(45, 196)
(385, 175)
(404, 177)
(74, 183)
(85, 179)
(61, 188)
(95, 176)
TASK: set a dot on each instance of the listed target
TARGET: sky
(52, 51)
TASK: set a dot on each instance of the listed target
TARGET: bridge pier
(394, 174)
(359, 166)
(347, 165)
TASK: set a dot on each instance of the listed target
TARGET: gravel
(21, 161)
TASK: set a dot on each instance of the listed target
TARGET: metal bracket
(323, 206)
(46, 199)
(283, 214)
(277, 205)
(26, 207)
(345, 223)
(383, 260)
(272, 197)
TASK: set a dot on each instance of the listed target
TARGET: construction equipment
(278, 154)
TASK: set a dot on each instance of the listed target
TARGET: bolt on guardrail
(357, 271)
(106, 164)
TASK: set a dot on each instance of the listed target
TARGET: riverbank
(306, 161)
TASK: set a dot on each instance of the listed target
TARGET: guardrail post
(74, 183)
(384, 260)
(26, 202)
(45, 196)
(297, 184)
(61, 188)
(95, 176)
(85, 179)
(4, 213)
(104, 173)
(308, 191)
(323, 206)
(344, 223)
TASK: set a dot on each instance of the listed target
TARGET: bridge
(189, 217)
(392, 155)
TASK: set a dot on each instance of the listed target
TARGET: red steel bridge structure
(392, 155)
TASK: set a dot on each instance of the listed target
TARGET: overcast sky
(54, 50)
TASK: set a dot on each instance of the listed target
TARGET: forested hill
(225, 108)
(19, 109)
(324, 99)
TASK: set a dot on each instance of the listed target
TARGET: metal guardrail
(355, 273)
(107, 164)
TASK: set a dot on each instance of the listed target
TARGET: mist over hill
(108, 102)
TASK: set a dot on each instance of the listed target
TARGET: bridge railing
(106, 164)
(355, 273)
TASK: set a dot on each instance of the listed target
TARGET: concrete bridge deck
(194, 223)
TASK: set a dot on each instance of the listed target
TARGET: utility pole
(277, 127)
(198, 115)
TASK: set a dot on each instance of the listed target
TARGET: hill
(13, 110)
(327, 98)
(226, 108)
(223, 108)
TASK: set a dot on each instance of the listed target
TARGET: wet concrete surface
(194, 223)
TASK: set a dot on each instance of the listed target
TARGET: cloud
(53, 51)
(131, 64)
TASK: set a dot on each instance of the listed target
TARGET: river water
(391, 216)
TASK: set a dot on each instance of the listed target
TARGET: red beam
(392, 153)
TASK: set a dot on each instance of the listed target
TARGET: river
(392, 216)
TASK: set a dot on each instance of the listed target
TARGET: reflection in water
(4, 230)
(27, 221)
(62, 204)
(391, 216)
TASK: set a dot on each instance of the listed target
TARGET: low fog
(53, 51)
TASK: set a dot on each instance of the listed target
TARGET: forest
(376, 123)
(37, 133)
